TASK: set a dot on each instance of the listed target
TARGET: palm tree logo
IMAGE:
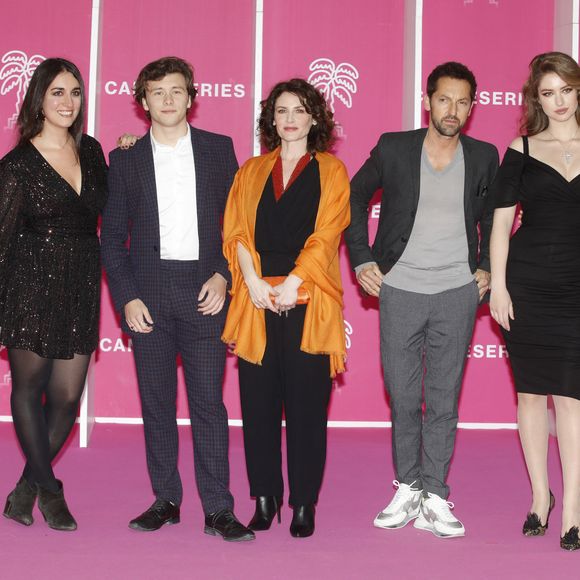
(335, 81)
(16, 72)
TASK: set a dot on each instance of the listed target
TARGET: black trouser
(300, 384)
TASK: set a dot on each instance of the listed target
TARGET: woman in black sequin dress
(52, 189)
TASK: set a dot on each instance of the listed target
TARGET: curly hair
(158, 69)
(31, 118)
(320, 137)
(534, 120)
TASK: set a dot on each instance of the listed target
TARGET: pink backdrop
(356, 53)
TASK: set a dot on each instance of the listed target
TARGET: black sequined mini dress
(49, 253)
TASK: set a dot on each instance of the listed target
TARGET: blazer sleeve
(486, 221)
(363, 186)
(231, 167)
(115, 235)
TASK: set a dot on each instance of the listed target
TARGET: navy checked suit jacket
(130, 239)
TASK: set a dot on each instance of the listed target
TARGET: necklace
(566, 153)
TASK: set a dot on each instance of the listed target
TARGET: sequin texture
(49, 253)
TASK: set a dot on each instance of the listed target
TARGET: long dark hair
(534, 120)
(321, 135)
(31, 118)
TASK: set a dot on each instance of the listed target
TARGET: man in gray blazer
(429, 266)
(162, 251)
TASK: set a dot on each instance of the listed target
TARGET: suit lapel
(147, 175)
(202, 161)
(468, 170)
(415, 153)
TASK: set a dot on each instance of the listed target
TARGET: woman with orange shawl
(284, 218)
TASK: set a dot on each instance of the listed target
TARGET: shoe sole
(213, 532)
(429, 528)
(18, 521)
(378, 524)
(170, 522)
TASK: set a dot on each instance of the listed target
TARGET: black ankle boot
(20, 502)
(302, 524)
(267, 506)
(54, 509)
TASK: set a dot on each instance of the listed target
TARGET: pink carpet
(106, 485)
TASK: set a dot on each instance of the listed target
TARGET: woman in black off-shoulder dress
(536, 284)
(52, 189)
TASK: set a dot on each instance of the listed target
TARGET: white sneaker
(403, 508)
(435, 516)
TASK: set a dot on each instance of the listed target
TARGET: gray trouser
(424, 340)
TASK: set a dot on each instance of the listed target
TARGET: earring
(314, 121)
(274, 123)
(40, 115)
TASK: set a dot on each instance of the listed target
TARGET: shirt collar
(182, 142)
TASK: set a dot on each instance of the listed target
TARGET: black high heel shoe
(302, 524)
(267, 506)
(533, 526)
(20, 502)
(571, 539)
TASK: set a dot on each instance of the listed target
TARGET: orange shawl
(317, 264)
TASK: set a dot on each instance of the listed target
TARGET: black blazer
(394, 166)
(134, 267)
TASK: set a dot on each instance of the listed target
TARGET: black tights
(44, 403)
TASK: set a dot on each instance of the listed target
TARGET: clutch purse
(303, 296)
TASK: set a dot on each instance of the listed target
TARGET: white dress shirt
(176, 199)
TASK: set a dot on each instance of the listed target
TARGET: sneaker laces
(402, 494)
(441, 507)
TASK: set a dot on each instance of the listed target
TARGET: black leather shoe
(52, 506)
(533, 526)
(302, 524)
(267, 506)
(20, 502)
(225, 524)
(571, 540)
(160, 513)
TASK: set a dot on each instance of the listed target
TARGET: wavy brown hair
(31, 118)
(158, 69)
(320, 137)
(534, 120)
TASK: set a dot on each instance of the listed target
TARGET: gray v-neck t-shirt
(436, 256)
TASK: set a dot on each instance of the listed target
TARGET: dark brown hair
(453, 70)
(156, 70)
(534, 120)
(320, 137)
(31, 118)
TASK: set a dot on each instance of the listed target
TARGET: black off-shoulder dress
(49, 253)
(543, 275)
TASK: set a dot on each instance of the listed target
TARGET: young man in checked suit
(162, 251)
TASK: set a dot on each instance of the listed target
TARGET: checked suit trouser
(180, 329)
